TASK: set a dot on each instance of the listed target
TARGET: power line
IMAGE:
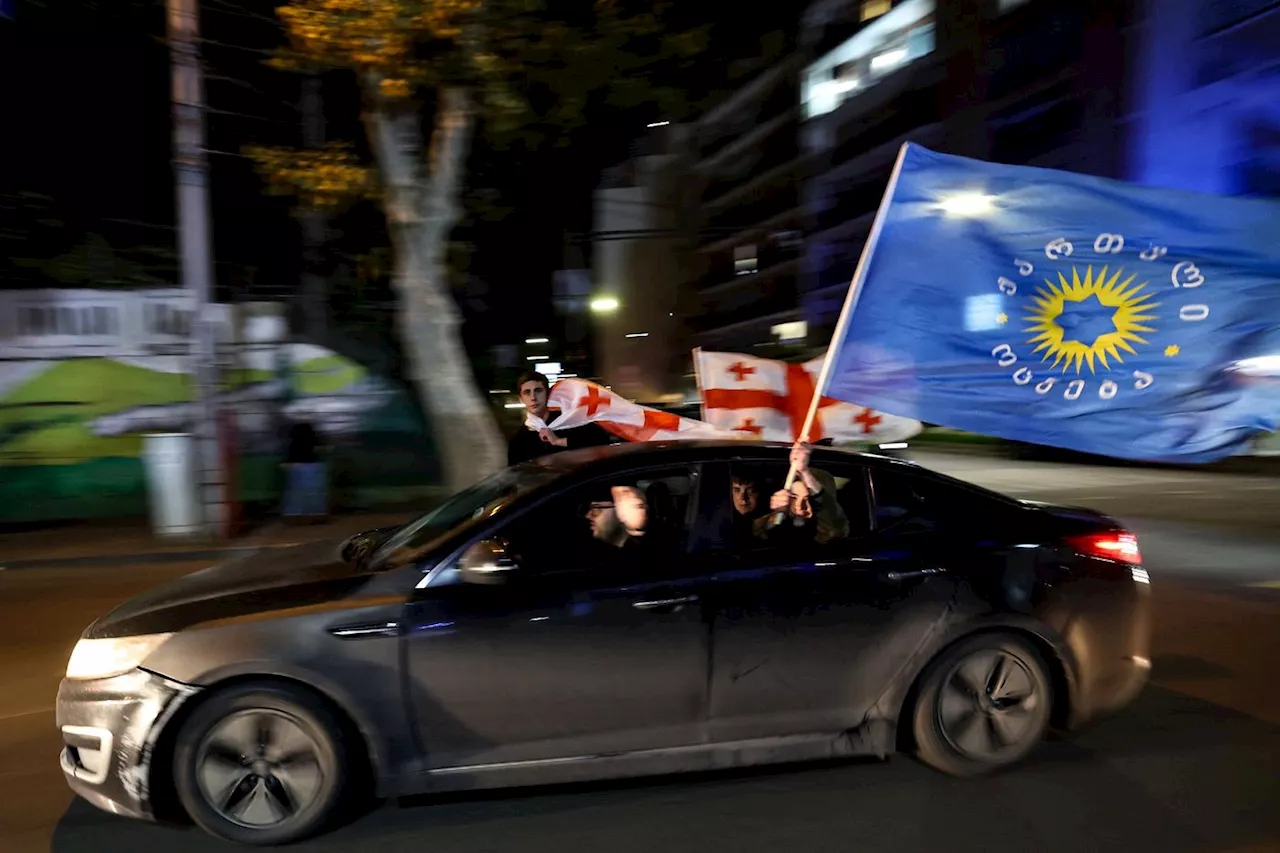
(222, 7)
(213, 111)
(138, 224)
(256, 50)
(235, 81)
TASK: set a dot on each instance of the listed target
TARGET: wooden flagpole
(697, 378)
(846, 311)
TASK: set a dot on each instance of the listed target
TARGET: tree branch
(397, 145)
(450, 145)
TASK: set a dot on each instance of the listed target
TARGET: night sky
(84, 112)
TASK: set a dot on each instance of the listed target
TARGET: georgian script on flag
(581, 402)
(768, 399)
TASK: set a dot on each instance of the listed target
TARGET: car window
(483, 500)
(633, 520)
(901, 503)
(813, 521)
(907, 502)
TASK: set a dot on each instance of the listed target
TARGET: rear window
(915, 503)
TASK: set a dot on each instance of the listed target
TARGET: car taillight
(1112, 545)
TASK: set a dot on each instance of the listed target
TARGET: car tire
(983, 705)
(260, 765)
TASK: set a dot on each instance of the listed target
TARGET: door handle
(917, 573)
(662, 603)
(366, 630)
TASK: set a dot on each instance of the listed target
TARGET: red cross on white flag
(581, 402)
(768, 399)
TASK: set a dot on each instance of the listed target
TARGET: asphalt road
(1194, 765)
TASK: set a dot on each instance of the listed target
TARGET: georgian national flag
(581, 402)
(768, 399)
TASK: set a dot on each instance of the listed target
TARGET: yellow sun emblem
(1090, 319)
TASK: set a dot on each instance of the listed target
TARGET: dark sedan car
(609, 612)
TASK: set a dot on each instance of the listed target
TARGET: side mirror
(487, 563)
(360, 547)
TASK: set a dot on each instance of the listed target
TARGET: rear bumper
(1118, 687)
(1111, 641)
(109, 731)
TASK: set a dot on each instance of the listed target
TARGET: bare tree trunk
(421, 204)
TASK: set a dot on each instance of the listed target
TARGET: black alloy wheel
(983, 705)
(260, 765)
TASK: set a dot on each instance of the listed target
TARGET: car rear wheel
(260, 765)
(983, 705)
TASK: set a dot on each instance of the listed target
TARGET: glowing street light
(604, 304)
(968, 204)
(888, 59)
(535, 340)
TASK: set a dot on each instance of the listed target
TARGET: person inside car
(809, 511)
(623, 524)
(747, 507)
(619, 516)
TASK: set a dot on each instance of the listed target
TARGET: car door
(582, 651)
(806, 637)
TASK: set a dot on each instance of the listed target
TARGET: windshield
(466, 507)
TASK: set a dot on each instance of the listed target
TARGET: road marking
(26, 713)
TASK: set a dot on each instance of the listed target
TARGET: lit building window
(65, 321)
(895, 38)
(745, 261)
(793, 331)
(874, 8)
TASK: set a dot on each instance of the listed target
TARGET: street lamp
(604, 304)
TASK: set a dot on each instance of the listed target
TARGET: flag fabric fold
(768, 399)
(581, 402)
(1065, 310)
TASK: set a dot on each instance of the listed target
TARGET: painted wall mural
(85, 373)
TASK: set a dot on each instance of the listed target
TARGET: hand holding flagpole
(846, 311)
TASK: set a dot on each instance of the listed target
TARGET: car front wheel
(260, 765)
(983, 705)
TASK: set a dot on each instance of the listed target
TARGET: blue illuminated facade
(1178, 93)
(1206, 99)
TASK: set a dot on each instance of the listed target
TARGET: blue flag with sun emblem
(1066, 310)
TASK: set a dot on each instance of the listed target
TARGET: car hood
(270, 579)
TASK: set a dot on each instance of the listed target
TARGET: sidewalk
(131, 541)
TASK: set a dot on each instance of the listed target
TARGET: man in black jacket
(527, 444)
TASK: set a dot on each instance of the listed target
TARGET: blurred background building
(780, 182)
(745, 178)
(637, 262)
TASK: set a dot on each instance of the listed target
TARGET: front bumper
(109, 731)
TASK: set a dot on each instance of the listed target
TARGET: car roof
(592, 462)
(677, 452)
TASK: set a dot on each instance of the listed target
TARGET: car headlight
(92, 659)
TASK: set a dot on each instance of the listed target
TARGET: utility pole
(191, 174)
(314, 313)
